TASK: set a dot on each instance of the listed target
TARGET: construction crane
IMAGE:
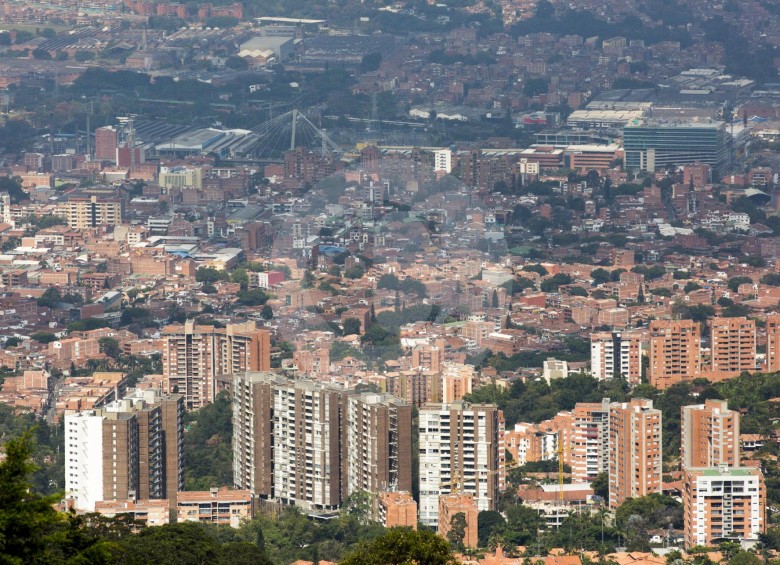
(560, 468)
(456, 487)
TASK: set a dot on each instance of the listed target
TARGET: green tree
(457, 531)
(403, 546)
(110, 347)
(190, 543)
(744, 558)
(734, 282)
(43, 337)
(241, 277)
(690, 286)
(600, 485)
(523, 524)
(267, 312)
(771, 279)
(489, 523)
(208, 447)
(599, 276)
(388, 281)
(370, 62)
(577, 291)
(210, 275)
(26, 518)
(355, 272)
(50, 298)
(552, 284)
(536, 269)
(413, 286)
(237, 63)
(351, 326)
(254, 297)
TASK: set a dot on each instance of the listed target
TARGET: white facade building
(84, 459)
(443, 160)
(459, 452)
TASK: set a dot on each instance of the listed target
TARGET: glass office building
(651, 146)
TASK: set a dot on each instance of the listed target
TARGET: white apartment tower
(459, 452)
(723, 503)
(84, 458)
(132, 445)
(613, 354)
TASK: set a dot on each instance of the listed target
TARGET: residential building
(428, 357)
(530, 442)
(457, 380)
(635, 450)
(376, 425)
(396, 509)
(442, 159)
(450, 505)
(148, 512)
(555, 503)
(106, 142)
(614, 355)
(416, 388)
(733, 347)
(773, 343)
(459, 452)
(554, 369)
(311, 444)
(215, 506)
(130, 447)
(723, 503)
(589, 449)
(710, 435)
(195, 356)
(675, 352)
(83, 211)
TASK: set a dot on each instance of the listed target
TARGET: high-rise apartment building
(459, 452)
(615, 354)
(773, 343)
(84, 211)
(530, 442)
(428, 357)
(589, 449)
(376, 425)
(416, 388)
(106, 142)
(194, 357)
(310, 444)
(710, 435)
(723, 503)
(675, 352)
(733, 347)
(457, 380)
(634, 450)
(130, 448)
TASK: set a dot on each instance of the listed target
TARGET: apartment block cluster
(127, 457)
(676, 353)
(312, 444)
(722, 497)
